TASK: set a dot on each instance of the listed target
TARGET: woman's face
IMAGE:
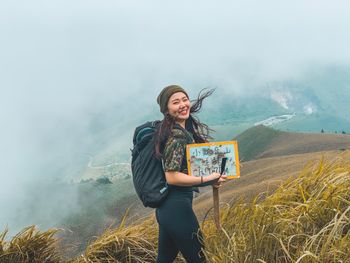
(179, 106)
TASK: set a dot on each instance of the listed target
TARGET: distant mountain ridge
(261, 142)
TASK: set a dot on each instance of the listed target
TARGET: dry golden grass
(126, 244)
(305, 220)
(30, 246)
(135, 243)
(262, 176)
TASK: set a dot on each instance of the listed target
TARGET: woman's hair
(200, 131)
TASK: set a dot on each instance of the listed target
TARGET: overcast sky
(63, 61)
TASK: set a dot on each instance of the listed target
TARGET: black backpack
(147, 171)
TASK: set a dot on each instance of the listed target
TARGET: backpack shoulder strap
(144, 129)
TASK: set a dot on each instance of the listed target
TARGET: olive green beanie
(165, 95)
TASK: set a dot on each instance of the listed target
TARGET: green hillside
(255, 141)
(261, 142)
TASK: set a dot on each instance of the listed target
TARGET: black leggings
(178, 229)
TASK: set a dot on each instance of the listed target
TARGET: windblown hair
(200, 131)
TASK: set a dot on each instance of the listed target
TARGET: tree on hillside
(103, 180)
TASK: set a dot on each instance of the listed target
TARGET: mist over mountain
(78, 77)
(316, 100)
(319, 100)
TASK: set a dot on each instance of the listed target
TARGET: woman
(178, 225)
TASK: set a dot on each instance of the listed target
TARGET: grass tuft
(30, 246)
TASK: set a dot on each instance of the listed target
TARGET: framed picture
(205, 158)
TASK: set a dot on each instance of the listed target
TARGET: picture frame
(205, 158)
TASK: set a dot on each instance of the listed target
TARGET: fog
(71, 69)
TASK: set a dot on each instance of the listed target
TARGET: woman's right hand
(213, 179)
(213, 176)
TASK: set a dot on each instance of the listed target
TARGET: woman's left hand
(220, 181)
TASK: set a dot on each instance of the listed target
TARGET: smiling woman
(178, 226)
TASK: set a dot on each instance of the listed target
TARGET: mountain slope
(254, 141)
(263, 176)
(274, 156)
(261, 142)
(304, 220)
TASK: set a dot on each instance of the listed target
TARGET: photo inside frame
(205, 158)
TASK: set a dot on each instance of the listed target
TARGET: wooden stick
(216, 208)
(216, 197)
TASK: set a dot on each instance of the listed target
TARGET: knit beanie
(165, 95)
